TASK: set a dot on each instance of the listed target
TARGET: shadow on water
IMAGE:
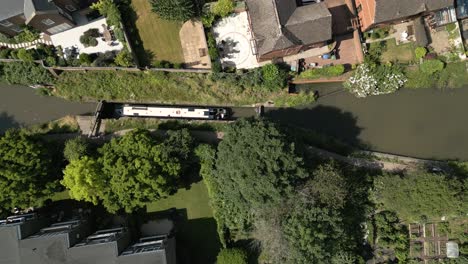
(328, 120)
(7, 121)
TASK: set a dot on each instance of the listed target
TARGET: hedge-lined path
(44, 39)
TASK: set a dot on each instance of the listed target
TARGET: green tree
(421, 194)
(25, 55)
(124, 58)
(179, 10)
(223, 8)
(232, 256)
(391, 234)
(328, 186)
(431, 66)
(139, 169)
(273, 77)
(110, 10)
(75, 148)
(84, 179)
(26, 73)
(85, 59)
(27, 170)
(420, 52)
(256, 167)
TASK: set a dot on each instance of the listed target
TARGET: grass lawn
(159, 38)
(197, 237)
(403, 53)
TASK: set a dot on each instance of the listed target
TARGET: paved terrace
(71, 38)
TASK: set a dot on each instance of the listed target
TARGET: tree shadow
(227, 48)
(326, 120)
(8, 121)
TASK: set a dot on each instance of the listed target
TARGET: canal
(21, 106)
(425, 123)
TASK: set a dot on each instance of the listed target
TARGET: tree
(420, 52)
(110, 10)
(232, 256)
(75, 148)
(25, 55)
(328, 186)
(273, 77)
(432, 66)
(421, 194)
(124, 58)
(85, 59)
(255, 167)
(391, 234)
(84, 179)
(27, 170)
(223, 8)
(140, 169)
(179, 10)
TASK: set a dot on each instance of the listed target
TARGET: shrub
(110, 10)
(207, 19)
(92, 32)
(432, 66)
(27, 35)
(25, 55)
(5, 53)
(85, 59)
(51, 61)
(124, 58)
(232, 256)
(104, 59)
(88, 41)
(273, 77)
(420, 52)
(75, 148)
(223, 8)
(26, 73)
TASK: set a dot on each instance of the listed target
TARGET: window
(48, 22)
(70, 8)
(16, 29)
(6, 23)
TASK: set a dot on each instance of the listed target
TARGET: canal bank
(424, 123)
(21, 106)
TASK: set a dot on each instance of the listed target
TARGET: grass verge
(403, 53)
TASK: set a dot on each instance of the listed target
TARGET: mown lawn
(159, 38)
(402, 53)
(197, 236)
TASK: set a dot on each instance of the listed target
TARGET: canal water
(425, 123)
(21, 106)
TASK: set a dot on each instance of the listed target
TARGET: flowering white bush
(382, 79)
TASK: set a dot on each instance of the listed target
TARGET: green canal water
(426, 123)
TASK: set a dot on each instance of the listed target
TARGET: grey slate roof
(10, 8)
(280, 24)
(387, 10)
(33, 7)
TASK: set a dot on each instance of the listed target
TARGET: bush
(207, 19)
(75, 148)
(27, 35)
(26, 73)
(5, 53)
(223, 8)
(26, 55)
(232, 256)
(432, 66)
(92, 32)
(51, 61)
(331, 71)
(420, 52)
(181, 10)
(273, 77)
(85, 59)
(110, 10)
(124, 58)
(88, 41)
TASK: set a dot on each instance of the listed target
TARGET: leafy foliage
(232, 256)
(273, 77)
(26, 73)
(331, 71)
(420, 52)
(180, 10)
(110, 10)
(85, 59)
(75, 148)
(135, 169)
(27, 170)
(432, 66)
(391, 234)
(421, 194)
(25, 55)
(223, 8)
(124, 58)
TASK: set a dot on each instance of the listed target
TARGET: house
(48, 16)
(31, 239)
(373, 13)
(281, 28)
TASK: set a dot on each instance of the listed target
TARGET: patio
(235, 42)
(194, 46)
(71, 38)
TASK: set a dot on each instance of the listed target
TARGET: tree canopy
(417, 195)
(232, 256)
(131, 170)
(179, 10)
(223, 8)
(75, 148)
(27, 170)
